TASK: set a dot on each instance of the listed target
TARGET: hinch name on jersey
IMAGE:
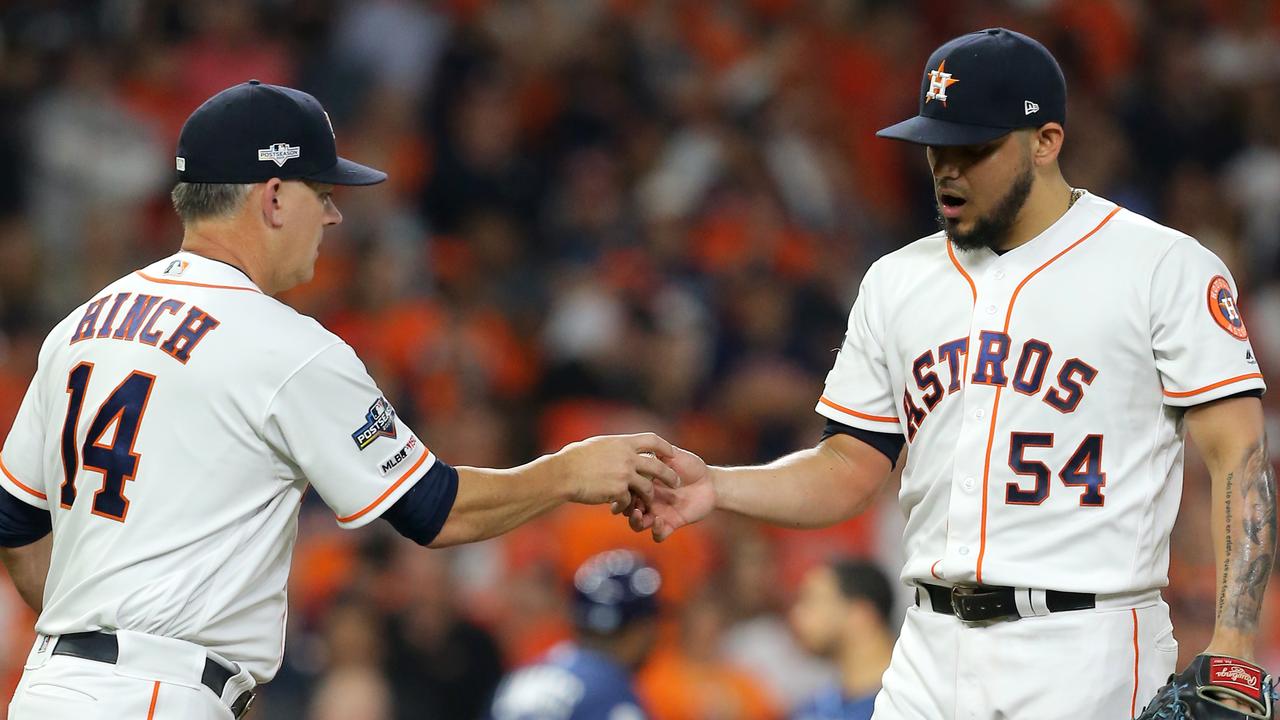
(989, 368)
(145, 320)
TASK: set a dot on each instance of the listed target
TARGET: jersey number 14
(114, 459)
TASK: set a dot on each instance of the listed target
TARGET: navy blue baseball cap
(252, 132)
(983, 85)
(612, 589)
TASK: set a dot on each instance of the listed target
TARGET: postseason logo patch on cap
(279, 153)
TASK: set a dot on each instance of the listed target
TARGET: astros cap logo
(939, 81)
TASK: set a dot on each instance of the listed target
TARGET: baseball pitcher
(1042, 358)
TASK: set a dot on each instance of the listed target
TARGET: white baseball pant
(154, 678)
(1103, 663)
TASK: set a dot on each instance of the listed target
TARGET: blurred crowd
(603, 216)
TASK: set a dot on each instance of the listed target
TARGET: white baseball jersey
(1040, 392)
(171, 429)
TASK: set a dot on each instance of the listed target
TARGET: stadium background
(603, 216)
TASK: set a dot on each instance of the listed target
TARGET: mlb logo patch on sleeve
(391, 463)
(380, 421)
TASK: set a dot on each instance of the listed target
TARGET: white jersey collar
(188, 268)
(1082, 218)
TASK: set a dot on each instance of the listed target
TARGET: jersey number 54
(1083, 470)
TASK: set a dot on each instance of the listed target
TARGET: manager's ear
(272, 203)
(1046, 143)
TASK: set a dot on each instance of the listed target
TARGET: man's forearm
(1244, 524)
(28, 567)
(492, 502)
(810, 488)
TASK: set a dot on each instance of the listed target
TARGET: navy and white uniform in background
(571, 683)
(831, 704)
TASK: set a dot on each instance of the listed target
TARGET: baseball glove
(1194, 693)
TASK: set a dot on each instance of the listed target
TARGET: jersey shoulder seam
(1177, 238)
(906, 250)
(266, 411)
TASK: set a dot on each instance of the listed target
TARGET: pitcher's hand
(672, 507)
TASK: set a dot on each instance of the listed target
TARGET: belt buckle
(242, 704)
(958, 594)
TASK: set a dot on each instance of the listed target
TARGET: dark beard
(993, 230)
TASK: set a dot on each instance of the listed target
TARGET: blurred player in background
(844, 613)
(590, 678)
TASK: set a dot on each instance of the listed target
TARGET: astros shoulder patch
(1223, 308)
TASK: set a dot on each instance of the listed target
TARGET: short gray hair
(201, 201)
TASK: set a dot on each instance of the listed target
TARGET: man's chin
(955, 229)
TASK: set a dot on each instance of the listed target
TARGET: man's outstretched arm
(815, 487)
(450, 506)
(1231, 436)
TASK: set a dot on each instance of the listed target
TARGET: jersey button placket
(964, 533)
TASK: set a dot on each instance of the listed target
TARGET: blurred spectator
(844, 613)
(614, 603)
(88, 152)
(759, 640)
(441, 665)
(352, 694)
(354, 687)
(687, 679)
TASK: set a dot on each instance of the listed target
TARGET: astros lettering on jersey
(179, 517)
(1039, 392)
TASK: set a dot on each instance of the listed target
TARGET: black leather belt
(976, 604)
(102, 647)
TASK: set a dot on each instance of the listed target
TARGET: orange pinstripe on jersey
(394, 485)
(995, 408)
(155, 695)
(855, 413)
(1133, 704)
(951, 253)
(18, 482)
(165, 281)
(1215, 386)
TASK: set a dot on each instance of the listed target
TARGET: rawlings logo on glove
(1197, 692)
(1237, 675)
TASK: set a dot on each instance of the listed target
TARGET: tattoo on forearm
(1226, 561)
(1250, 542)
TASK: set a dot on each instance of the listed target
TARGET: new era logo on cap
(1029, 107)
(279, 153)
